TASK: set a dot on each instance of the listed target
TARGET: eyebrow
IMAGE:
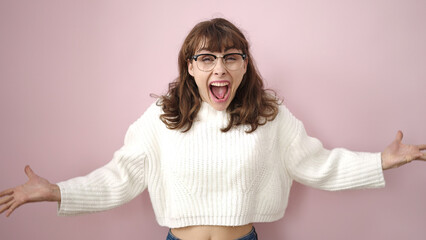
(230, 47)
(226, 49)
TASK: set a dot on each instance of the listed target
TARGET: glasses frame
(195, 58)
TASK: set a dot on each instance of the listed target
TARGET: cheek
(201, 85)
(240, 77)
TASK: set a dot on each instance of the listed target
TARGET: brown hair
(252, 104)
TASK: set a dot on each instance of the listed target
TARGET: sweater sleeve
(116, 183)
(309, 163)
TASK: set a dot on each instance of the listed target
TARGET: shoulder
(146, 126)
(155, 108)
(284, 114)
(288, 125)
(149, 117)
(153, 111)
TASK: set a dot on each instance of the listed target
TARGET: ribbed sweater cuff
(380, 182)
(75, 201)
(366, 174)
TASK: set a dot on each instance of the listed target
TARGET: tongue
(219, 92)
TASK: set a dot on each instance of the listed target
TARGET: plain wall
(75, 74)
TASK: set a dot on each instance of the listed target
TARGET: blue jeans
(252, 235)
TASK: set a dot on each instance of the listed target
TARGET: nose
(220, 68)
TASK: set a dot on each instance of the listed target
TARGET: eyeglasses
(232, 61)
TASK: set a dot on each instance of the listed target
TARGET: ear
(245, 65)
(190, 68)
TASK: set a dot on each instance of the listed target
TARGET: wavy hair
(252, 104)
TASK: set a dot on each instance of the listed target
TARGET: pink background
(75, 74)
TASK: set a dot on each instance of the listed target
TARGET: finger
(410, 158)
(5, 207)
(29, 171)
(6, 192)
(421, 156)
(399, 136)
(5, 200)
(421, 147)
(12, 208)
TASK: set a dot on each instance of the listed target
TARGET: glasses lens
(206, 62)
(233, 61)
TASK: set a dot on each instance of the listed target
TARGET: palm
(33, 190)
(36, 189)
(397, 153)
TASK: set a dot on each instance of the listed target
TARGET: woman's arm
(117, 182)
(309, 163)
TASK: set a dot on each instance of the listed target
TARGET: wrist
(55, 193)
(381, 158)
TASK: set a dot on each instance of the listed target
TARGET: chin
(218, 106)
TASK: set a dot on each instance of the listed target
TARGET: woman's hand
(36, 189)
(398, 154)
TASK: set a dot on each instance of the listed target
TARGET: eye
(232, 57)
(206, 58)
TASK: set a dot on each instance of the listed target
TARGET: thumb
(399, 136)
(29, 172)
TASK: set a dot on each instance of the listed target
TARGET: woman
(217, 152)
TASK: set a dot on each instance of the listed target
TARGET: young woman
(217, 152)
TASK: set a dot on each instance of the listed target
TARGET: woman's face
(218, 86)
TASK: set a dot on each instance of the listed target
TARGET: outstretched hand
(398, 154)
(36, 189)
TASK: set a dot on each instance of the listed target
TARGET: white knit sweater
(207, 177)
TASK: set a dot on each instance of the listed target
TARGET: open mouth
(219, 90)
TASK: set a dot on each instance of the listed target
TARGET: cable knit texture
(207, 177)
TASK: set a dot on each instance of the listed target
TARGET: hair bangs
(219, 39)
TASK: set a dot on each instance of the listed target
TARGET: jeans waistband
(252, 235)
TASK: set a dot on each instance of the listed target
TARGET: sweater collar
(208, 113)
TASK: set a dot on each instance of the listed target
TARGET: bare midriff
(212, 232)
